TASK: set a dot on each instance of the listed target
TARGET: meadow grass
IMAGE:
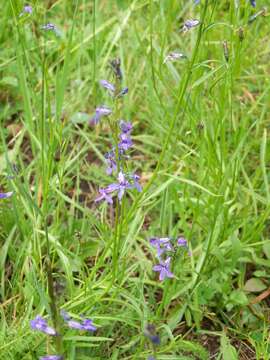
(200, 134)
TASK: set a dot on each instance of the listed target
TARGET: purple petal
(103, 110)
(65, 315)
(74, 325)
(164, 240)
(182, 242)
(48, 26)
(121, 177)
(121, 193)
(160, 251)
(40, 324)
(189, 24)
(174, 56)
(51, 357)
(111, 188)
(100, 111)
(169, 274)
(88, 325)
(27, 9)
(107, 85)
(6, 195)
(162, 274)
(50, 331)
(157, 268)
(104, 196)
(125, 126)
(154, 241)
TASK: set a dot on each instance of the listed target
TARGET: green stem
(45, 175)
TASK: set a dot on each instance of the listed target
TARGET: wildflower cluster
(85, 324)
(116, 157)
(41, 324)
(164, 246)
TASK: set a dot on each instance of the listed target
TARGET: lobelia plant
(117, 157)
(41, 324)
(163, 246)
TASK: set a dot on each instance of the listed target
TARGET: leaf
(238, 297)
(266, 249)
(227, 350)
(254, 285)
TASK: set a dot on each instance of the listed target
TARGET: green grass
(201, 147)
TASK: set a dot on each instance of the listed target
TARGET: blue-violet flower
(182, 242)
(161, 244)
(41, 324)
(85, 324)
(27, 9)
(6, 195)
(189, 24)
(100, 112)
(164, 269)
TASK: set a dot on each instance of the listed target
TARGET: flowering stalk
(45, 175)
(116, 158)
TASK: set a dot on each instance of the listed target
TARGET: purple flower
(136, 183)
(161, 244)
(41, 324)
(150, 332)
(197, 2)
(74, 324)
(51, 357)
(100, 112)
(119, 187)
(189, 24)
(174, 56)
(6, 195)
(151, 358)
(122, 185)
(104, 195)
(85, 324)
(164, 269)
(123, 92)
(253, 3)
(125, 126)
(51, 27)
(182, 242)
(48, 27)
(125, 141)
(27, 9)
(107, 85)
(111, 162)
